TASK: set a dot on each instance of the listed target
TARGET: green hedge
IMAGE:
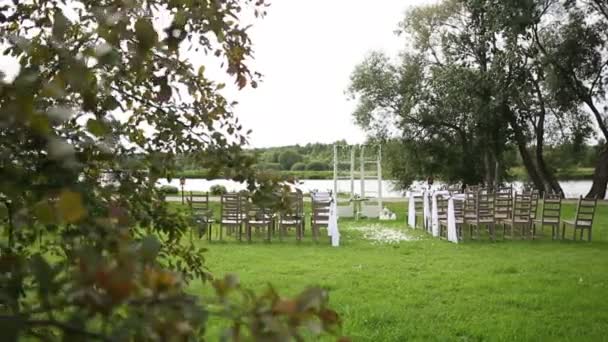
(169, 190)
(299, 166)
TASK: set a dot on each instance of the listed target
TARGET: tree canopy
(480, 77)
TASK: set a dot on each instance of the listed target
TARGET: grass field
(429, 289)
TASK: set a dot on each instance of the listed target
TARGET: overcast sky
(306, 50)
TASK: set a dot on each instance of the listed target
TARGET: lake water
(572, 189)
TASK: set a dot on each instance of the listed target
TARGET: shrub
(288, 158)
(217, 190)
(268, 166)
(317, 166)
(169, 190)
(299, 166)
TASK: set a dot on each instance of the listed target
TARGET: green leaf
(165, 93)
(111, 103)
(60, 24)
(70, 206)
(180, 18)
(43, 273)
(149, 248)
(97, 128)
(145, 33)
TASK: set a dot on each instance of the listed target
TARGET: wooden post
(352, 171)
(335, 170)
(380, 177)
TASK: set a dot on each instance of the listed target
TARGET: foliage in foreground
(103, 91)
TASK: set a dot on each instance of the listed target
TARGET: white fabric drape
(452, 234)
(332, 226)
(426, 210)
(411, 211)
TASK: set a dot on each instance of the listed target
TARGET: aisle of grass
(429, 289)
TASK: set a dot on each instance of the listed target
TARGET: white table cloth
(452, 233)
(435, 211)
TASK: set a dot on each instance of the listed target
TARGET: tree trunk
(551, 183)
(600, 176)
(526, 157)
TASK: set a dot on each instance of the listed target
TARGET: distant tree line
(569, 160)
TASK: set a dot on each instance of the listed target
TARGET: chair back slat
(442, 206)
(419, 203)
(233, 207)
(504, 203)
(485, 205)
(522, 207)
(552, 208)
(585, 211)
(534, 196)
(198, 203)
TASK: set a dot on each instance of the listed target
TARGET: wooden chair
(201, 213)
(320, 215)
(259, 218)
(459, 217)
(520, 216)
(550, 215)
(454, 188)
(233, 213)
(585, 213)
(504, 203)
(419, 209)
(442, 214)
(534, 196)
(481, 214)
(293, 217)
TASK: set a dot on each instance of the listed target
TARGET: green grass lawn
(429, 289)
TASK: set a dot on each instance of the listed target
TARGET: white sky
(306, 50)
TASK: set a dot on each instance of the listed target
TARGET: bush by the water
(169, 190)
(299, 166)
(217, 190)
(268, 166)
(317, 165)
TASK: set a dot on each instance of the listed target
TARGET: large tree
(574, 43)
(470, 61)
(102, 100)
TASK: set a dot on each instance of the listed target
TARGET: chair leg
(589, 235)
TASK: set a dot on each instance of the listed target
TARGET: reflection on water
(572, 189)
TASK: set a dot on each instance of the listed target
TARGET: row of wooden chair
(238, 213)
(515, 213)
